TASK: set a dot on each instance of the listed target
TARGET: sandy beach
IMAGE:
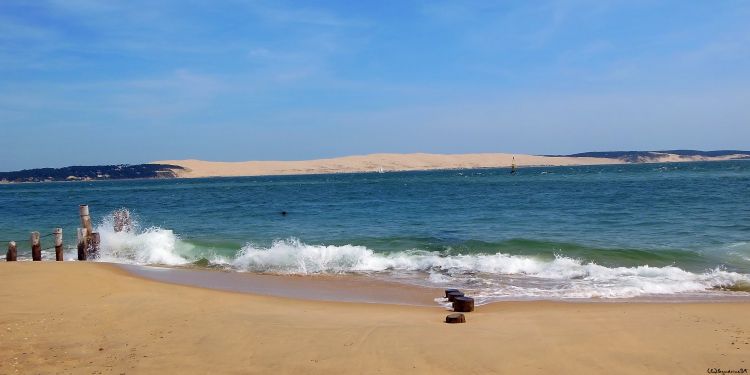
(96, 318)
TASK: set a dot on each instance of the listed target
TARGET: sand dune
(407, 162)
(373, 163)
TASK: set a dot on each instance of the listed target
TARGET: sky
(86, 82)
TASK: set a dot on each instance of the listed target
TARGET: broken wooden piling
(83, 211)
(455, 318)
(58, 244)
(82, 243)
(11, 255)
(36, 247)
(452, 295)
(93, 245)
(88, 240)
(449, 291)
(463, 304)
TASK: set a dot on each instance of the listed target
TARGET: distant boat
(380, 170)
(513, 166)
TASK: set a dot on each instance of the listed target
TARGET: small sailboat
(513, 166)
(380, 170)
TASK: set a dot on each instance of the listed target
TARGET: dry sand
(96, 319)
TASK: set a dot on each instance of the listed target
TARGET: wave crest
(491, 275)
(487, 276)
(151, 245)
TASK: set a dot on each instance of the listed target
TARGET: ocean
(653, 231)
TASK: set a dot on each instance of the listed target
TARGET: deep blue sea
(640, 230)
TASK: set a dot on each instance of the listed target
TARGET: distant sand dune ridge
(399, 162)
(373, 163)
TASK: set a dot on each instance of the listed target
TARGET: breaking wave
(488, 276)
(136, 245)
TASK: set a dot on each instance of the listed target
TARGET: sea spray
(152, 245)
(488, 276)
(294, 257)
(491, 276)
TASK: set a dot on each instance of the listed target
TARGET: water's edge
(330, 288)
(358, 288)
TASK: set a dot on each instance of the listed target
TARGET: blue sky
(95, 82)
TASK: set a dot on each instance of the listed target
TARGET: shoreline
(360, 288)
(324, 288)
(78, 317)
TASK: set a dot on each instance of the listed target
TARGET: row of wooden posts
(461, 303)
(88, 241)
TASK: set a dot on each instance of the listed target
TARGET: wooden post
(93, 249)
(10, 256)
(447, 291)
(83, 210)
(82, 244)
(455, 318)
(452, 295)
(463, 304)
(36, 247)
(58, 244)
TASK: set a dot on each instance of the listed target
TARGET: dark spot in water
(202, 262)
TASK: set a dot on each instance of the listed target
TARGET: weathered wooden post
(83, 210)
(58, 244)
(93, 248)
(447, 291)
(82, 244)
(455, 318)
(36, 247)
(11, 255)
(88, 241)
(463, 304)
(453, 295)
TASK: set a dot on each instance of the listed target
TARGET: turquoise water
(548, 232)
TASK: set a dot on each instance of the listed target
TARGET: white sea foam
(487, 276)
(151, 246)
(492, 276)
(141, 246)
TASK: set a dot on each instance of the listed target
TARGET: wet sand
(335, 288)
(362, 288)
(77, 317)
